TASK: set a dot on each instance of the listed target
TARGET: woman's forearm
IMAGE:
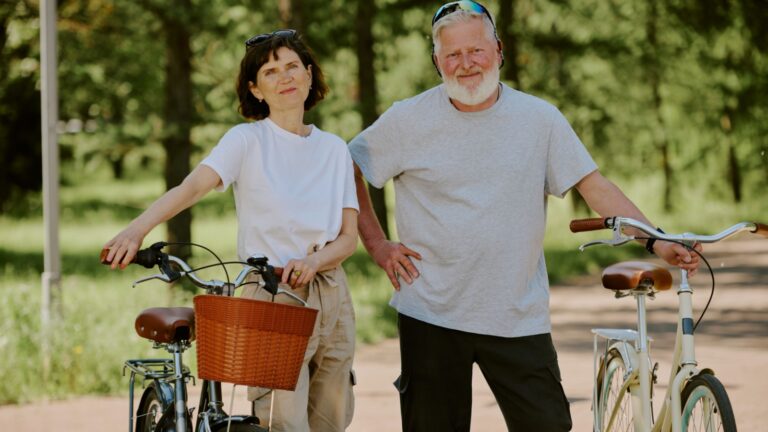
(341, 248)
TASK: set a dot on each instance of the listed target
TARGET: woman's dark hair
(259, 54)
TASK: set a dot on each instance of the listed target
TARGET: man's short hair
(461, 16)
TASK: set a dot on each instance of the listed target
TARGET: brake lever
(616, 241)
(161, 277)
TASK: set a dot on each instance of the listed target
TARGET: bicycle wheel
(611, 397)
(149, 411)
(706, 406)
(150, 416)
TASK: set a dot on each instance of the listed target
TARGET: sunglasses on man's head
(259, 39)
(465, 5)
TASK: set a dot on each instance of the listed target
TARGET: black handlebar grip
(146, 257)
(592, 224)
(761, 229)
(270, 279)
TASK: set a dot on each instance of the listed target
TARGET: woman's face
(283, 82)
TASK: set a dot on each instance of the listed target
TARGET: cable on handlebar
(221, 263)
(709, 267)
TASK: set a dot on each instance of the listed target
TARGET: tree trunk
(764, 158)
(292, 14)
(177, 115)
(505, 28)
(366, 10)
(653, 70)
(118, 166)
(734, 172)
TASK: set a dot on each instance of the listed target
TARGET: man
(473, 162)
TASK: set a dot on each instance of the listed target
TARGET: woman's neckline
(307, 132)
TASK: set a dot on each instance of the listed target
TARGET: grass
(94, 334)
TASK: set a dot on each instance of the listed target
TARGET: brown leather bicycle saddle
(630, 275)
(166, 325)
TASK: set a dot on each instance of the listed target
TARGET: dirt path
(732, 340)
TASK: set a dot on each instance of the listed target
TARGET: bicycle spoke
(616, 407)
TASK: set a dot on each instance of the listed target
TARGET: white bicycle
(621, 398)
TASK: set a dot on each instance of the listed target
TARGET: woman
(296, 203)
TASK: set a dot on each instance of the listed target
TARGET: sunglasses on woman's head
(259, 39)
(465, 5)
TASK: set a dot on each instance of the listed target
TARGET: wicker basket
(251, 342)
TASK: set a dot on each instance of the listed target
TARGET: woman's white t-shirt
(289, 190)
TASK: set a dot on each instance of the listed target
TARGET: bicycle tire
(706, 404)
(149, 412)
(150, 416)
(610, 393)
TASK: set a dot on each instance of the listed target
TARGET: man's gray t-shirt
(471, 191)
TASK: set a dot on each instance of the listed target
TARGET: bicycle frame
(634, 349)
(633, 346)
(169, 376)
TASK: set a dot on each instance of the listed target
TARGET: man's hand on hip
(395, 259)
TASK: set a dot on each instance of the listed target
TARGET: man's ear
(434, 62)
(501, 53)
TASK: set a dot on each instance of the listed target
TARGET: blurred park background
(669, 96)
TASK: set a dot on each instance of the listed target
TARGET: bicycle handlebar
(617, 223)
(592, 224)
(152, 256)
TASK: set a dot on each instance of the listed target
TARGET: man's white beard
(468, 96)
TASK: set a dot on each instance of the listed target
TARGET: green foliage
(95, 334)
(19, 107)
(664, 85)
(633, 78)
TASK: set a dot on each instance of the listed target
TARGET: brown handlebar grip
(592, 224)
(279, 272)
(761, 229)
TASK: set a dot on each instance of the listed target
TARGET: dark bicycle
(163, 404)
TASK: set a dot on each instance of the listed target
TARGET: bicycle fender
(164, 393)
(628, 355)
(705, 371)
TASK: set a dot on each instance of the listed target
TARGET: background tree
(367, 95)
(19, 106)
(674, 85)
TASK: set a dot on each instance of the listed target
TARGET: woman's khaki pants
(323, 399)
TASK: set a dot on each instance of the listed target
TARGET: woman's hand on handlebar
(123, 247)
(299, 272)
(677, 255)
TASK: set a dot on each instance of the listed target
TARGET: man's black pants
(436, 379)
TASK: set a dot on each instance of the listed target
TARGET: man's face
(468, 58)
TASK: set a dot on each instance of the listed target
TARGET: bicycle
(623, 376)
(163, 404)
